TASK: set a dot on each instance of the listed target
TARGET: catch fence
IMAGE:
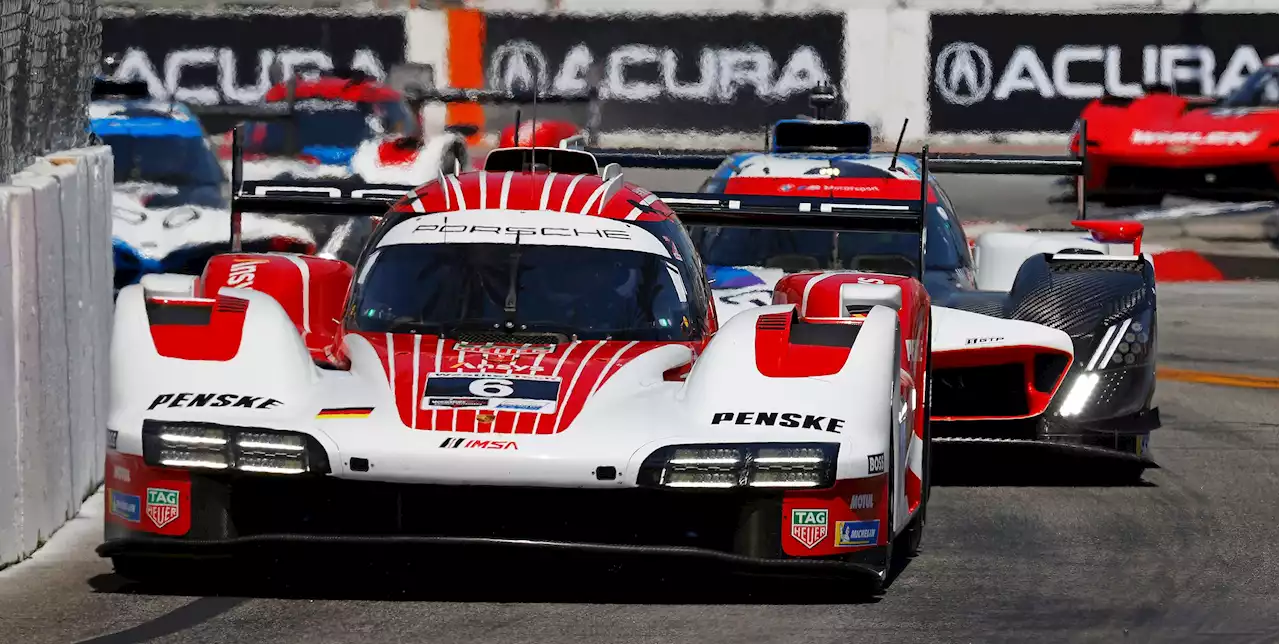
(50, 51)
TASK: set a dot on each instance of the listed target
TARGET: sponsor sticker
(120, 473)
(862, 502)
(112, 437)
(162, 506)
(775, 419)
(1216, 138)
(471, 443)
(875, 464)
(126, 506)
(459, 402)
(242, 273)
(187, 400)
(809, 526)
(972, 341)
(857, 533)
(489, 391)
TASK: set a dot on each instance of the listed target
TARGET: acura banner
(1035, 72)
(737, 72)
(227, 58)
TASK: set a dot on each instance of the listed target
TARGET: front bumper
(1124, 439)
(230, 515)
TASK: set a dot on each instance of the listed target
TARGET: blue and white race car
(170, 194)
(1059, 326)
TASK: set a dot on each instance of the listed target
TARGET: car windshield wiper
(513, 286)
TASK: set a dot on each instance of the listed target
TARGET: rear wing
(355, 198)
(416, 93)
(994, 164)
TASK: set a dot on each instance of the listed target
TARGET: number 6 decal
(870, 280)
(491, 388)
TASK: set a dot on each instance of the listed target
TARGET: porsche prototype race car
(1144, 148)
(170, 194)
(1048, 338)
(350, 125)
(539, 338)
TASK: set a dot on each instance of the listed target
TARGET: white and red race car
(540, 339)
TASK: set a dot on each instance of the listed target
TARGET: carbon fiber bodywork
(1108, 308)
(231, 514)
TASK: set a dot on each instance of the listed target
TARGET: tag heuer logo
(809, 527)
(162, 506)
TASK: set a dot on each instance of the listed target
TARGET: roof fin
(611, 188)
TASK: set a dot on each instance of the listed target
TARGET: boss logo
(875, 464)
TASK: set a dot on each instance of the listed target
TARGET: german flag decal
(345, 412)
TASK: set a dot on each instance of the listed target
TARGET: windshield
(591, 293)
(797, 250)
(338, 124)
(1259, 90)
(171, 160)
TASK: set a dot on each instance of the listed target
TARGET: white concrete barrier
(55, 310)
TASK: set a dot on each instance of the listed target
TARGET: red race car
(1141, 149)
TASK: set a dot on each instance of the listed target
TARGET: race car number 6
(870, 280)
(491, 388)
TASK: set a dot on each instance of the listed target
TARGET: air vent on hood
(773, 322)
(232, 305)
(497, 337)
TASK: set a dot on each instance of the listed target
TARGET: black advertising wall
(736, 72)
(226, 58)
(1035, 72)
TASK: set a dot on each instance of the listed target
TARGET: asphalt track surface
(1013, 552)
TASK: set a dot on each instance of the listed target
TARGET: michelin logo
(857, 533)
(126, 506)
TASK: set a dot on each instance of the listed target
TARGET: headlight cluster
(1123, 344)
(1127, 343)
(205, 446)
(803, 465)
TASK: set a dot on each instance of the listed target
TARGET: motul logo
(1217, 137)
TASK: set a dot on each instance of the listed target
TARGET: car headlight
(206, 446)
(777, 465)
(1124, 345)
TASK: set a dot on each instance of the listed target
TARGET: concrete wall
(55, 312)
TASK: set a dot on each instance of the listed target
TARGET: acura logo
(518, 64)
(962, 73)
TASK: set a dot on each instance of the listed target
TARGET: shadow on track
(1021, 465)
(401, 573)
